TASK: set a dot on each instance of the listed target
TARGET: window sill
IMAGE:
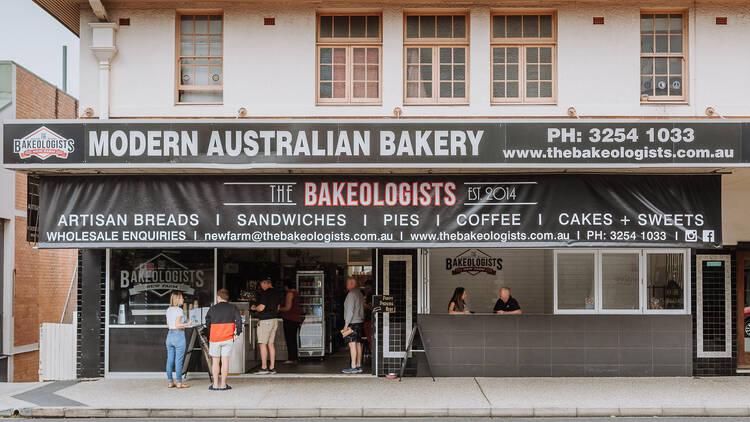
(435, 104)
(666, 102)
(348, 104)
(497, 103)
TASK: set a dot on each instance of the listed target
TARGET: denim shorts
(357, 334)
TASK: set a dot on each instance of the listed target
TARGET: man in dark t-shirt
(507, 304)
(267, 307)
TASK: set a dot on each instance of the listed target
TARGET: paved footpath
(379, 397)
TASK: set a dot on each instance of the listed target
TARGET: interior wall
(528, 273)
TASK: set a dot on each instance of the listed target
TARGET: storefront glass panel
(620, 281)
(575, 281)
(665, 280)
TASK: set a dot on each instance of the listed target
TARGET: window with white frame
(523, 51)
(349, 58)
(620, 281)
(436, 56)
(663, 56)
(200, 58)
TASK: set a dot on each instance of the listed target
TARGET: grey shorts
(220, 348)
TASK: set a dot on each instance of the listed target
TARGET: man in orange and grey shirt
(224, 324)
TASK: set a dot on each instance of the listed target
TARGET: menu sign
(383, 303)
(381, 211)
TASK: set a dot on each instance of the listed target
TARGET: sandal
(181, 385)
(171, 385)
(228, 387)
(211, 387)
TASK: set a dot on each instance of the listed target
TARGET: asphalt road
(436, 420)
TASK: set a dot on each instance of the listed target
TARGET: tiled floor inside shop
(331, 365)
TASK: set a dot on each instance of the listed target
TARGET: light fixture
(398, 112)
(572, 112)
(242, 112)
(88, 112)
(710, 111)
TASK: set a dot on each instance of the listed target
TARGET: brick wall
(42, 277)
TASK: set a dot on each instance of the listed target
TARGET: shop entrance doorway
(315, 280)
(743, 309)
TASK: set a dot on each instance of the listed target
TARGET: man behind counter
(507, 304)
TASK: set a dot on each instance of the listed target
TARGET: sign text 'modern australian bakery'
(372, 143)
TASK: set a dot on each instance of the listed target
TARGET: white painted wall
(270, 70)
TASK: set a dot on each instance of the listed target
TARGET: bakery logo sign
(473, 262)
(43, 143)
(161, 275)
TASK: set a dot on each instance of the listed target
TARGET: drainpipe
(104, 48)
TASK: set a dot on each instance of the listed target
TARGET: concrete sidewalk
(379, 397)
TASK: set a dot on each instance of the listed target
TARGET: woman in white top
(176, 339)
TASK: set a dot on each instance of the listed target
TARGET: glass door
(743, 309)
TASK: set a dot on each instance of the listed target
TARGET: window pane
(660, 24)
(512, 90)
(531, 26)
(514, 26)
(425, 55)
(339, 72)
(341, 26)
(201, 46)
(647, 86)
(459, 26)
(545, 89)
(358, 90)
(186, 24)
(412, 90)
(326, 55)
(326, 26)
(512, 55)
(660, 85)
(498, 26)
(339, 90)
(426, 73)
(647, 43)
(675, 44)
(412, 73)
(445, 55)
(201, 24)
(426, 90)
(201, 75)
(215, 25)
(498, 73)
(545, 72)
(412, 55)
(545, 55)
(512, 72)
(459, 89)
(459, 55)
(532, 89)
(326, 90)
(373, 56)
(339, 55)
(445, 90)
(358, 55)
(498, 55)
(359, 73)
(675, 24)
(532, 72)
(647, 66)
(373, 26)
(444, 27)
(357, 26)
(427, 26)
(445, 73)
(647, 24)
(459, 73)
(214, 75)
(675, 85)
(661, 44)
(412, 26)
(186, 45)
(215, 46)
(325, 73)
(545, 26)
(372, 90)
(187, 75)
(660, 66)
(620, 281)
(498, 89)
(675, 66)
(532, 55)
(372, 73)
(665, 281)
(575, 281)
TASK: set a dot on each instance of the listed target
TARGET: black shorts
(357, 334)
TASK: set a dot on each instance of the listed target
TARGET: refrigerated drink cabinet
(311, 297)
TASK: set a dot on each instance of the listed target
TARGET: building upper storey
(305, 59)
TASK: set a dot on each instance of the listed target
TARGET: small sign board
(383, 303)
(714, 263)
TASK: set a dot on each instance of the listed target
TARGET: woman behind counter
(176, 339)
(291, 314)
(457, 304)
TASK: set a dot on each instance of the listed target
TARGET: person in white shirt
(176, 339)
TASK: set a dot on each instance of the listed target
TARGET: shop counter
(557, 345)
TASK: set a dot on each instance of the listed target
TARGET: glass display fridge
(311, 296)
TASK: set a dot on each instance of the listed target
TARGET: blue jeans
(175, 354)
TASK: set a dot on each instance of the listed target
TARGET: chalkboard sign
(383, 303)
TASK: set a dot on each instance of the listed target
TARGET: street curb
(377, 412)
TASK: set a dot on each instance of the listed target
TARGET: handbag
(346, 332)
